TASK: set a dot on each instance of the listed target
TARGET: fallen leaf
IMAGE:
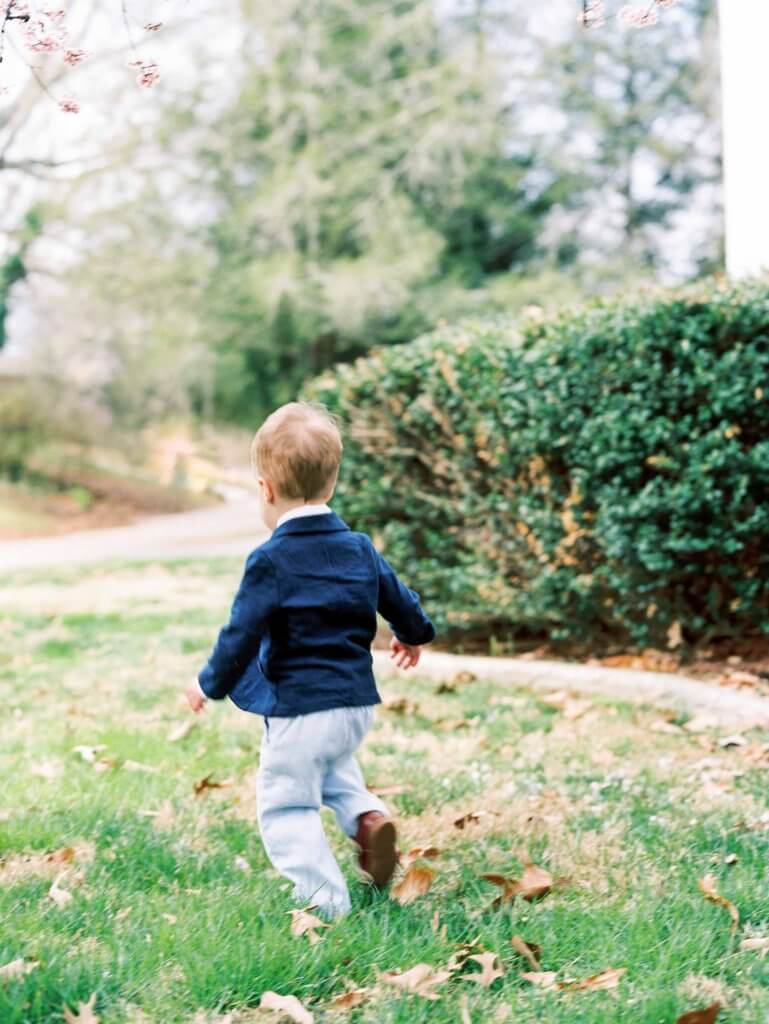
(462, 954)
(606, 979)
(242, 864)
(389, 790)
(533, 883)
(470, 819)
(349, 1000)
(60, 897)
(542, 979)
(181, 731)
(464, 1012)
(759, 944)
(305, 923)
(84, 1013)
(675, 635)
(464, 677)
(733, 741)
(286, 1006)
(205, 784)
(121, 914)
(570, 707)
(528, 950)
(402, 706)
(699, 723)
(731, 858)
(669, 728)
(422, 980)
(171, 918)
(17, 969)
(708, 885)
(89, 753)
(449, 686)
(420, 853)
(47, 769)
(451, 724)
(104, 764)
(137, 766)
(415, 883)
(491, 969)
(706, 1016)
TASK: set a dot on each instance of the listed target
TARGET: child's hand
(195, 699)
(405, 655)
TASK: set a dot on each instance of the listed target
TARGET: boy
(297, 651)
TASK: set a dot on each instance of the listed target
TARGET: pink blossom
(75, 57)
(148, 75)
(637, 16)
(69, 105)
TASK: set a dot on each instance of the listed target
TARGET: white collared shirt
(312, 509)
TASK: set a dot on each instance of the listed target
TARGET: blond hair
(298, 449)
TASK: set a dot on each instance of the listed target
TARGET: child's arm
(239, 640)
(406, 617)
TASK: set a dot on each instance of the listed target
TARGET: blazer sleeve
(400, 606)
(239, 640)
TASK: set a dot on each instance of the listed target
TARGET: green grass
(633, 817)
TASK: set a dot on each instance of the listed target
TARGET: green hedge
(594, 475)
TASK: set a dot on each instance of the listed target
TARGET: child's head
(296, 453)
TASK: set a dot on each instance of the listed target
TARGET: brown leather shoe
(378, 855)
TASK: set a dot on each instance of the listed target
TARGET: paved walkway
(712, 704)
(233, 528)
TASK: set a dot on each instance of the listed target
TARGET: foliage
(601, 472)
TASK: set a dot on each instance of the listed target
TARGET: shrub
(602, 474)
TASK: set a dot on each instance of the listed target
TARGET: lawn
(131, 870)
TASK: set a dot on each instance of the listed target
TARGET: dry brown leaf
(530, 951)
(60, 897)
(104, 764)
(470, 819)
(181, 731)
(675, 635)
(420, 853)
(449, 686)
(606, 979)
(669, 728)
(287, 1006)
(736, 740)
(465, 677)
(451, 724)
(462, 954)
(542, 979)
(464, 1012)
(394, 790)
(17, 969)
(415, 883)
(305, 923)
(401, 706)
(84, 1013)
(533, 883)
(206, 783)
(349, 1000)
(137, 766)
(491, 969)
(706, 1016)
(755, 942)
(422, 980)
(709, 887)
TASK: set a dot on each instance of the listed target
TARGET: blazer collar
(324, 522)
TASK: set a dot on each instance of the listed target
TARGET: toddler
(297, 650)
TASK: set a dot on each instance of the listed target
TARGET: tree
(365, 157)
(639, 135)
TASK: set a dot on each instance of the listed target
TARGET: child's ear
(267, 490)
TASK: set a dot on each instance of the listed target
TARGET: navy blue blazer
(303, 619)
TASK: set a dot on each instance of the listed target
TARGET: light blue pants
(307, 761)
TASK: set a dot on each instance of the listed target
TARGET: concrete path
(233, 528)
(711, 704)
